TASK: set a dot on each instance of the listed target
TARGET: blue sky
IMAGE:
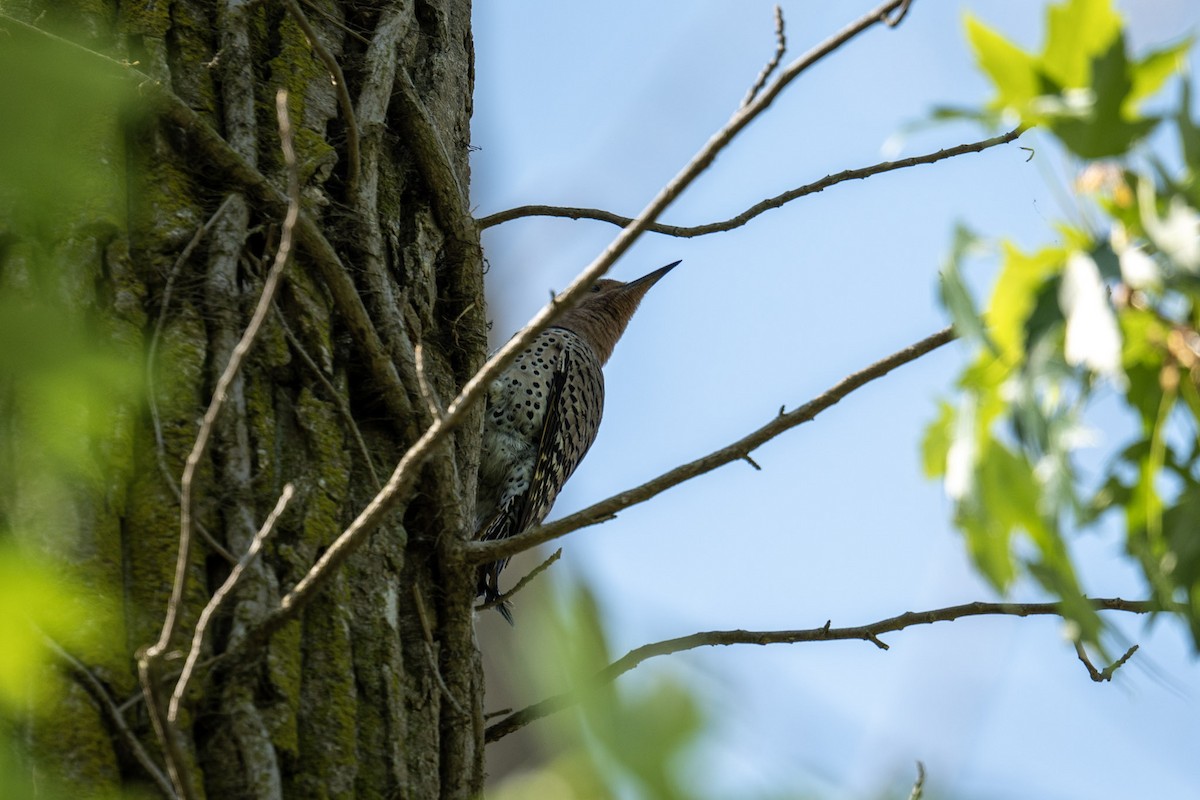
(600, 104)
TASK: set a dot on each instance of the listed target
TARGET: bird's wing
(521, 510)
(574, 404)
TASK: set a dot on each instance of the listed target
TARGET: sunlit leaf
(36, 600)
(988, 517)
(1181, 524)
(1093, 339)
(1189, 132)
(619, 738)
(1105, 130)
(1151, 72)
(953, 291)
(1013, 71)
(1015, 296)
(1177, 232)
(1076, 32)
(962, 454)
(1138, 270)
(935, 445)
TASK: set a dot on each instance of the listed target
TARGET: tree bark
(375, 690)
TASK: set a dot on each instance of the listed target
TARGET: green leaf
(987, 119)
(36, 599)
(1015, 297)
(1150, 73)
(1189, 138)
(1181, 523)
(1046, 319)
(1076, 32)
(1106, 261)
(58, 106)
(1005, 495)
(1143, 355)
(935, 445)
(1105, 131)
(955, 296)
(1012, 71)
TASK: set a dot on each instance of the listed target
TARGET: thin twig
(431, 401)
(895, 19)
(484, 552)
(353, 158)
(166, 733)
(218, 598)
(691, 231)
(521, 584)
(334, 395)
(1100, 676)
(773, 64)
(870, 632)
(100, 692)
(918, 789)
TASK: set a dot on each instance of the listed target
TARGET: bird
(543, 413)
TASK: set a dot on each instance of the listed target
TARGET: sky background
(600, 104)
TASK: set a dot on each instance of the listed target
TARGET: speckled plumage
(543, 413)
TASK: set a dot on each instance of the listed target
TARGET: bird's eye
(595, 288)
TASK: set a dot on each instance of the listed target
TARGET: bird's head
(602, 314)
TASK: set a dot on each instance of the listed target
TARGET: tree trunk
(375, 688)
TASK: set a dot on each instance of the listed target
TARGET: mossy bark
(375, 689)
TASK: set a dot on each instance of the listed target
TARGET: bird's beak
(646, 281)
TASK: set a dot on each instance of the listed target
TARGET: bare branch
(427, 394)
(893, 21)
(343, 93)
(773, 64)
(332, 20)
(1100, 676)
(521, 584)
(918, 789)
(218, 598)
(484, 552)
(688, 232)
(165, 732)
(871, 632)
(99, 691)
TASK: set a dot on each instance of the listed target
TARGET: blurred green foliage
(66, 383)
(618, 741)
(1111, 310)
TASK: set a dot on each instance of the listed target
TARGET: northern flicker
(543, 413)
